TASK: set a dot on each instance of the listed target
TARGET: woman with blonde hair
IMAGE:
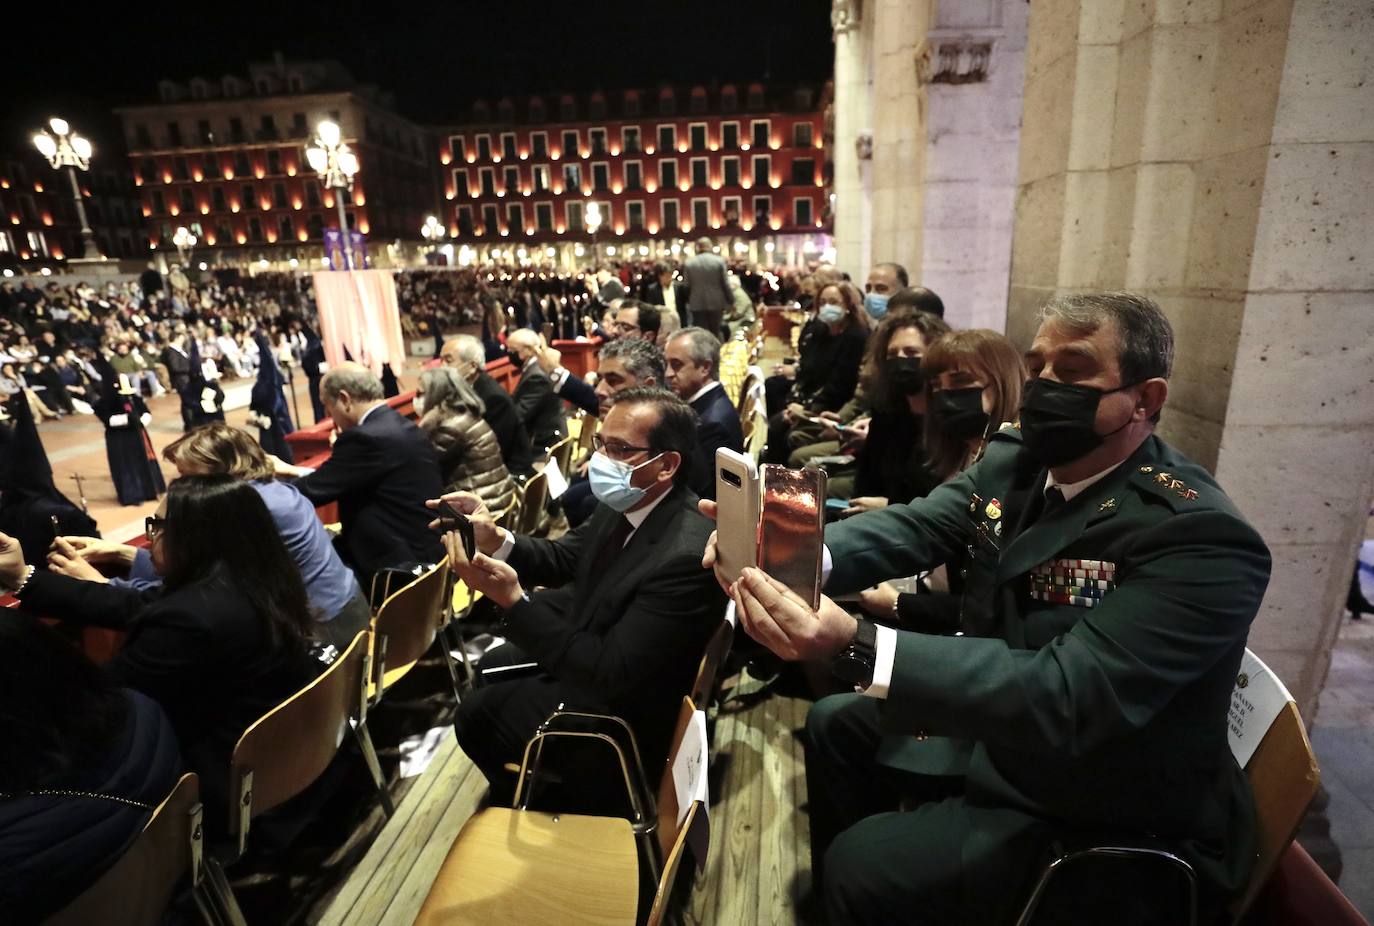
(469, 454)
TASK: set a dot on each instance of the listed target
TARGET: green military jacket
(1100, 645)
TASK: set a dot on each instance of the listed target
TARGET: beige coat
(469, 456)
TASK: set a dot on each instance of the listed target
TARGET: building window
(486, 178)
(274, 162)
(803, 171)
(634, 214)
(279, 196)
(700, 175)
(247, 197)
(38, 243)
(465, 221)
(141, 137)
(667, 139)
(174, 134)
(567, 108)
(598, 142)
(601, 176)
(761, 164)
(457, 147)
(484, 147)
(801, 211)
(508, 146)
(759, 130)
(698, 104)
(284, 230)
(802, 134)
(701, 213)
(207, 137)
(188, 201)
(512, 181)
(255, 230)
(539, 144)
(629, 139)
(268, 128)
(515, 218)
(632, 104)
(242, 167)
(729, 209)
(697, 132)
(667, 174)
(668, 210)
(755, 100)
(571, 147)
(298, 129)
(6, 243)
(763, 210)
(543, 216)
(179, 171)
(314, 227)
(236, 130)
(729, 100)
(460, 182)
(217, 199)
(312, 194)
(729, 136)
(729, 168)
(597, 107)
(634, 175)
(572, 179)
(667, 103)
(539, 177)
(572, 212)
(490, 224)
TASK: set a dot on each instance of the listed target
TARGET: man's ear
(1153, 394)
(672, 462)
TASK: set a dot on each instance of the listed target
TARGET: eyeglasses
(153, 526)
(617, 449)
(626, 327)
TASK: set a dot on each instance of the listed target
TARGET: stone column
(899, 133)
(1216, 157)
(852, 115)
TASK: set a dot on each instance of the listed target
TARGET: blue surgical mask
(875, 304)
(610, 481)
(830, 314)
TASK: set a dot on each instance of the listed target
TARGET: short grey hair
(640, 358)
(470, 350)
(359, 382)
(702, 346)
(442, 386)
(1147, 338)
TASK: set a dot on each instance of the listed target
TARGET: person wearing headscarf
(31, 507)
(267, 404)
(133, 463)
(202, 400)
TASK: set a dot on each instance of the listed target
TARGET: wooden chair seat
(522, 867)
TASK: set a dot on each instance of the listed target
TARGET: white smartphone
(737, 512)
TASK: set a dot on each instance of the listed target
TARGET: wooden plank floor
(757, 869)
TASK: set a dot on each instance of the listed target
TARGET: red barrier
(578, 357)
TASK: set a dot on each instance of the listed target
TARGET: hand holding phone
(451, 519)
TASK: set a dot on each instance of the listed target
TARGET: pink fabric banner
(358, 311)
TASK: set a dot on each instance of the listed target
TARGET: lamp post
(335, 162)
(65, 148)
(432, 232)
(593, 216)
(184, 241)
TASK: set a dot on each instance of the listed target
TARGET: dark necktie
(615, 542)
(1054, 500)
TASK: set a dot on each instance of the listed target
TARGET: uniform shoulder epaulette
(1010, 430)
(1166, 485)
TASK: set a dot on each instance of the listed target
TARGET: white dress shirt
(636, 519)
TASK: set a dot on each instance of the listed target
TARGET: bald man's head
(348, 391)
(522, 343)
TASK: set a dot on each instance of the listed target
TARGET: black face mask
(1057, 420)
(959, 412)
(905, 374)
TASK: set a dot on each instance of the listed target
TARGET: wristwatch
(854, 664)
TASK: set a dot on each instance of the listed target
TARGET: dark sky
(434, 57)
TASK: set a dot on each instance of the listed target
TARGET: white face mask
(419, 404)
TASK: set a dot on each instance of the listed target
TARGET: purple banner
(333, 249)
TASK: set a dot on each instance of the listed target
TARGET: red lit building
(228, 154)
(744, 164)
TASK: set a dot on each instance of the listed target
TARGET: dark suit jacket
(178, 367)
(653, 294)
(580, 393)
(199, 651)
(708, 290)
(504, 420)
(717, 426)
(1101, 717)
(381, 473)
(627, 641)
(539, 408)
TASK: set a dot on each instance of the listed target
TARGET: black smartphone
(451, 519)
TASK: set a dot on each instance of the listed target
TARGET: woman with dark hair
(220, 642)
(84, 763)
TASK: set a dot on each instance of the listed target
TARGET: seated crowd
(990, 697)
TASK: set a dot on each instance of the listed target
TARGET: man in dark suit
(535, 400)
(708, 291)
(625, 608)
(693, 359)
(381, 472)
(1109, 589)
(178, 364)
(466, 355)
(663, 291)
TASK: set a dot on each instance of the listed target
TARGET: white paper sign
(1255, 702)
(689, 767)
(207, 400)
(558, 483)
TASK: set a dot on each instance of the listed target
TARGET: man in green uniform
(1110, 589)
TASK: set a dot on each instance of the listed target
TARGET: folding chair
(717, 648)
(510, 866)
(288, 748)
(405, 626)
(562, 452)
(137, 889)
(532, 502)
(1284, 777)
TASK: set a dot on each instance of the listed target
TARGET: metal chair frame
(1127, 852)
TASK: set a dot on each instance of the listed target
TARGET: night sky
(435, 58)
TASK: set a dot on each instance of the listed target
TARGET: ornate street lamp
(335, 162)
(184, 241)
(64, 148)
(432, 231)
